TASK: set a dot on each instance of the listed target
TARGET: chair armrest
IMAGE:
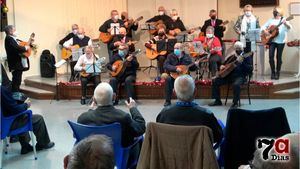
(136, 140)
(217, 145)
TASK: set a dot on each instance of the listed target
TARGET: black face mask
(275, 13)
(122, 17)
(213, 17)
(238, 51)
(121, 36)
(161, 34)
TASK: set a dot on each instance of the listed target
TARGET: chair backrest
(6, 124)
(243, 127)
(111, 130)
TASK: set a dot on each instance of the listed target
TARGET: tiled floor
(56, 115)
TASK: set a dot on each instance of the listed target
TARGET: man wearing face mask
(112, 26)
(14, 56)
(88, 58)
(237, 77)
(81, 40)
(161, 16)
(128, 24)
(70, 35)
(212, 46)
(217, 24)
(245, 23)
(278, 42)
(175, 23)
(129, 76)
(178, 57)
(122, 38)
(160, 58)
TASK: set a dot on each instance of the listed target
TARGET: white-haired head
(103, 94)
(238, 45)
(184, 87)
(178, 46)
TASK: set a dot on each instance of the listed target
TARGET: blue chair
(6, 123)
(113, 131)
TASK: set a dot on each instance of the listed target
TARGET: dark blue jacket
(243, 69)
(172, 61)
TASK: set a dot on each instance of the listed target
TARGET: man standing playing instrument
(111, 26)
(175, 23)
(278, 42)
(237, 77)
(178, 57)
(245, 23)
(122, 38)
(70, 35)
(161, 16)
(129, 74)
(15, 56)
(88, 58)
(81, 40)
(129, 24)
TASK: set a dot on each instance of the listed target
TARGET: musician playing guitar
(160, 58)
(237, 77)
(162, 16)
(129, 74)
(70, 35)
(129, 24)
(173, 64)
(175, 25)
(79, 40)
(122, 38)
(88, 58)
(108, 27)
(277, 42)
(14, 52)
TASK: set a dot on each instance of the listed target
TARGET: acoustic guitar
(105, 37)
(131, 22)
(229, 67)
(121, 65)
(177, 31)
(156, 25)
(272, 32)
(98, 62)
(29, 43)
(67, 53)
(152, 52)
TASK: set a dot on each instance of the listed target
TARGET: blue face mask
(121, 53)
(177, 52)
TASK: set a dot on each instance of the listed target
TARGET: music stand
(57, 65)
(166, 45)
(149, 27)
(254, 36)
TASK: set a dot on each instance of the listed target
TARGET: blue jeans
(273, 47)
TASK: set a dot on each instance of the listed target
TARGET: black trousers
(129, 85)
(160, 63)
(39, 129)
(110, 52)
(72, 65)
(169, 86)
(273, 46)
(16, 80)
(85, 80)
(236, 82)
(215, 62)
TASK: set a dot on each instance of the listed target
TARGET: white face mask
(175, 17)
(116, 17)
(75, 31)
(80, 36)
(15, 34)
(208, 35)
(248, 13)
(161, 13)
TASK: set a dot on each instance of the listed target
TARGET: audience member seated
(93, 152)
(10, 107)
(186, 112)
(293, 162)
(133, 124)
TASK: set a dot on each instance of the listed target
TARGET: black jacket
(190, 115)
(14, 53)
(172, 61)
(119, 38)
(106, 25)
(219, 30)
(242, 69)
(178, 24)
(68, 37)
(132, 125)
(165, 18)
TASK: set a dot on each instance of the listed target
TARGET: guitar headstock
(32, 35)
(139, 18)
(290, 18)
(225, 22)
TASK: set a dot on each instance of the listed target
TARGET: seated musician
(129, 74)
(70, 35)
(121, 39)
(237, 77)
(88, 58)
(107, 27)
(160, 58)
(178, 57)
(212, 45)
(81, 40)
(129, 24)
(175, 24)
(162, 16)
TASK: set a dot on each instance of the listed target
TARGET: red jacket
(213, 47)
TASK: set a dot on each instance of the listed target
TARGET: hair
(184, 87)
(173, 11)
(293, 162)
(279, 10)
(238, 44)
(93, 152)
(212, 11)
(161, 7)
(210, 28)
(248, 6)
(114, 10)
(75, 25)
(103, 94)
(8, 28)
(179, 45)
(89, 47)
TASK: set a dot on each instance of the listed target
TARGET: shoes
(26, 149)
(273, 75)
(47, 146)
(215, 103)
(82, 101)
(167, 103)
(72, 79)
(277, 75)
(234, 106)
